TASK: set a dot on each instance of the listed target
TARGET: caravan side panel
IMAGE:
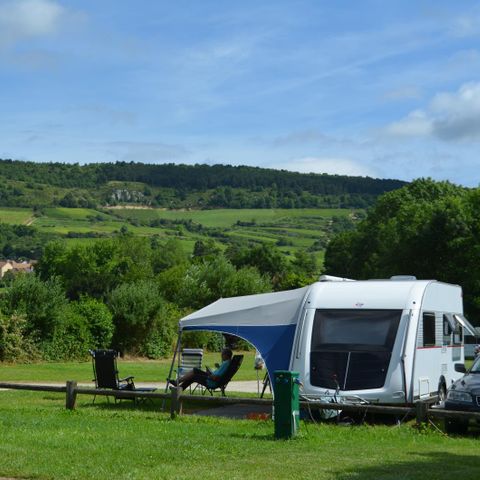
(436, 352)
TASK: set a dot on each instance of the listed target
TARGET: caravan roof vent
(403, 278)
(331, 278)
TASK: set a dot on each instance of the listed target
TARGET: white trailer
(383, 341)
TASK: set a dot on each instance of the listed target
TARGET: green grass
(143, 370)
(15, 215)
(228, 217)
(42, 440)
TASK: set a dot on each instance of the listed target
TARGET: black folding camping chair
(105, 371)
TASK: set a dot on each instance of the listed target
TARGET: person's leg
(196, 376)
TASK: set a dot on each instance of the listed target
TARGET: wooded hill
(28, 184)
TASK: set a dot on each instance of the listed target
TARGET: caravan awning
(268, 321)
(465, 324)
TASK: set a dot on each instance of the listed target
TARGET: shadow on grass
(437, 465)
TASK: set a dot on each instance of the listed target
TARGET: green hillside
(29, 184)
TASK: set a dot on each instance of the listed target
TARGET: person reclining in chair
(206, 378)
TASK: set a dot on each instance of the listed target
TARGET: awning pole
(177, 350)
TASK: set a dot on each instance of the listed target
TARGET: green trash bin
(286, 403)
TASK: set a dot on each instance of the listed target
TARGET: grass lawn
(143, 370)
(42, 440)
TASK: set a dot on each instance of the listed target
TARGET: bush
(98, 318)
(159, 343)
(71, 340)
(135, 308)
(15, 346)
(41, 303)
(212, 341)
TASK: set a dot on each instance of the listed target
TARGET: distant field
(16, 216)
(228, 217)
(289, 229)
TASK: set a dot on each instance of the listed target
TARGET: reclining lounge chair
(105, 371)
(232, 369)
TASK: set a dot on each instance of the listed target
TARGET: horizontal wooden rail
(350, 407)
(420, 410)
(33, 387)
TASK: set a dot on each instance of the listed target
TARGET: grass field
(143, 370)
(289, 229)
(228, 217)
(42, 440)
(16, 216)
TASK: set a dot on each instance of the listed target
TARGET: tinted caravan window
(428, 329)
(355, 329)
(351, 349)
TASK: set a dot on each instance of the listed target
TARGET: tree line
(172, 185)
(128, 293)
(428, 229)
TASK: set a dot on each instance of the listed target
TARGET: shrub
(71, 340)
(135, 308)
(98, 318)
(15, 345)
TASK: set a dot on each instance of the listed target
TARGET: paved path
(249, 386)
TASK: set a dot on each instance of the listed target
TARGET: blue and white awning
(268, 321)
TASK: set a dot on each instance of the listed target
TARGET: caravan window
(355, 329)
(428, 329)
(351, 349)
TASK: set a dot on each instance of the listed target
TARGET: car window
(476, 366)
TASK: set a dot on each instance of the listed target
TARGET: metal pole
(177, 350)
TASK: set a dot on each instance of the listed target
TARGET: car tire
(442, 393)
(452, 425)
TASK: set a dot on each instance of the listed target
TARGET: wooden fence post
(71, 396)
(175, 402)
(421, 411)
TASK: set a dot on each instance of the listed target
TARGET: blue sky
(385, 89)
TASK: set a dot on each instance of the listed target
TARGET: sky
(372, 88)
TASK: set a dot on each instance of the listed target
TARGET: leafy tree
(167, 254)
(98, 319)
(98, 268)
(206, 282)
(71, 338)
(305, 263)
(266, 258)
(428, 229)
(136, 309)
(42, 303)
(206, 248)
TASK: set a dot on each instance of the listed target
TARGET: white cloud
(415, 124)
(331, 165)
(21, 19)
(449, 117)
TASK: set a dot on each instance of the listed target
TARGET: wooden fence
(422, 411)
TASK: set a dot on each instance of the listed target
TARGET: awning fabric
(268, 321)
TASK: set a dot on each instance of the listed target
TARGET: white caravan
(385, 341)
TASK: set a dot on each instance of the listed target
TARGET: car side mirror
(460, 367)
